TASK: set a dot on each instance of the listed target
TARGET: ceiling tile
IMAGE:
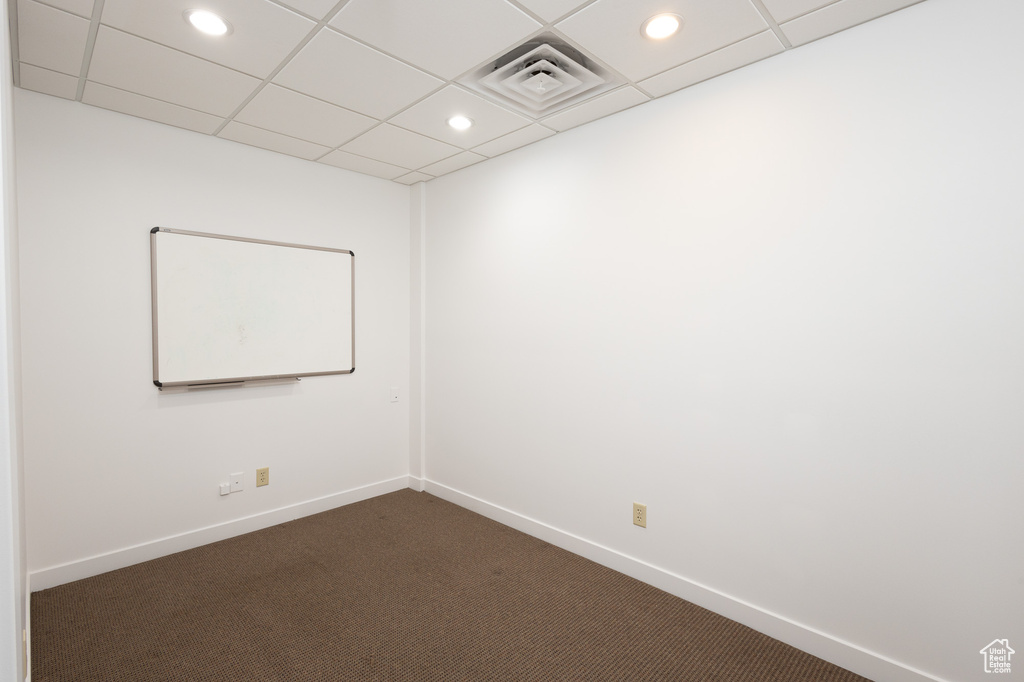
(413, 178)
(314, 8)
(48, 82)
(400, 147)
(137, 65)
(453, 163)
(275, 142)
(263, 33)
(784, 10)
(82, 8)
(764, 44)
(610, 30)
(361, 164)
(374, 81)
(602, 106)
(291, 113)
(50, 38)
(549, 10)
(100, 95)
(519, 138)
(430, 117)
(446, 38)
(335, 68)
(837, 17)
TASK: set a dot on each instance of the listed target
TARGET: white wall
(784, 309)
(117, 471)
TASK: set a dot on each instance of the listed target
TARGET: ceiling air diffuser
(541, 77)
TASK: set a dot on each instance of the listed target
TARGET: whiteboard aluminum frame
(237, 380)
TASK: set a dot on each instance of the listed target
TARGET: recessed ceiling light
(460, 122)
(661, 26)
(207, 22)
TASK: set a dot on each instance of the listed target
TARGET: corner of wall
(14, 536)
(417, 330)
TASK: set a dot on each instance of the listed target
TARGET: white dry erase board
(230, 309)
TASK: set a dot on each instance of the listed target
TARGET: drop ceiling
(368, 85)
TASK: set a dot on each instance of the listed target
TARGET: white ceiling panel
(610, 30)
(275, 142)
(335, 68)
(317, 9)
(368, 85)
(82, 8)
(519, 138)
(400, 147)
(361, 164)
(129, 63)
(837, 17)
(263, 33)
(748, 51)
(106, 97)
(51, 38)
(453, 163)
(48, 82)
(784, 10)
(291, 113)
(550, 10)
(445, 38)
(430, 117)
(613, 102)
(413, 178)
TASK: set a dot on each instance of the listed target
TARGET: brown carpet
(401, 587)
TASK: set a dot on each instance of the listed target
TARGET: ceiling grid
(368, 85)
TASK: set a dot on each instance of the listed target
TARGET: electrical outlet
(263, 476)
(394, 394)
(238, 482)
(640, 515)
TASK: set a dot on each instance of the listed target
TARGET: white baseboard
(872, 665)
(869, 664)
(101, 563)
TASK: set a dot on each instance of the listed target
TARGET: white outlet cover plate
(238, 482)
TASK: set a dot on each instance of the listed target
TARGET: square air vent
(541, 77)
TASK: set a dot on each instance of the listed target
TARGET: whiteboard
(230, 309)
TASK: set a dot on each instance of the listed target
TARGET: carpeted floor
(400, 587)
